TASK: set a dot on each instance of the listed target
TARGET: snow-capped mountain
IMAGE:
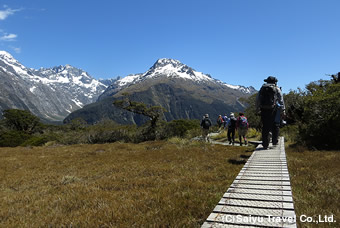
(50, 93)
(183, 91)
(170, 68)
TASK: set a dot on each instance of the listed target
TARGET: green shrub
(13, 138)
(108, 131)
(320, 121)
(179, 128)
(35, 141)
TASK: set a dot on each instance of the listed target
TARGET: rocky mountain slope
(50, 93)
(183, 91)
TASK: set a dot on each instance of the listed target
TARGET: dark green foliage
(21, 120)
(35, 141)
(253, 117)
(13, 138)
(108, 131)
(321, 115)
(180, 128)
(294, 102)
(76, 124)
(316, 113)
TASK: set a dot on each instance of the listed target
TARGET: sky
(240, 42)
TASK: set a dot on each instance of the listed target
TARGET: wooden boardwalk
(260, 196)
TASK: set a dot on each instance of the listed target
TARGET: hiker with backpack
(225, 121)
(231, 128)
(220, 122)
(270, 104)
(242, 127)
(205, 125)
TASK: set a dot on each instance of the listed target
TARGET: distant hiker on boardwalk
(269, 102)
(205, 125)
(242, 127)
(231, 128)
(225, 121)
(219, 122)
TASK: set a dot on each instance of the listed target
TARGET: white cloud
(16, 49)
(9, 37)
(7, 12)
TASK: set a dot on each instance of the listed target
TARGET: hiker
(225, 121)
(231, 128)
(242, 127)
(205, 125)
(219, 122)
(270, 104)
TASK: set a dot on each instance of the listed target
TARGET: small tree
(21, 120)
(153, 112)
(320, 123)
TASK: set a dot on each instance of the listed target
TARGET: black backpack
(206, 123)
(268, 96)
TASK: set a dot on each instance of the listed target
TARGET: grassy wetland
(171, 183)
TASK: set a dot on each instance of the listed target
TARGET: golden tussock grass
(152, 184)
(315, 180)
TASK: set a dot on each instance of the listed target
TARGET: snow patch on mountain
(175, 69)
(50, 92)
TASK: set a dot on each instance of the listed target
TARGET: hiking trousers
(231, 134)
(205, 133)
(268, 122)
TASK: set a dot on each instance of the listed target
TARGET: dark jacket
(232, 123)
(204, 121)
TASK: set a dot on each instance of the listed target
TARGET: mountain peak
(166, 61)
(4, 55)
(174, 68)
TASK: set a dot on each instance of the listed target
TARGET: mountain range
(184, 92)
(66, 93)
(50, 93)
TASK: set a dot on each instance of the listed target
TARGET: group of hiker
(231, 124)
(269, 104)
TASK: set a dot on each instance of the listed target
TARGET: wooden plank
(260, 195)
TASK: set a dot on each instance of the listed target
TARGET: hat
(231, 114)
(270, 79)
(206, 115)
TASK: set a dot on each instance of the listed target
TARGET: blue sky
(240, 42)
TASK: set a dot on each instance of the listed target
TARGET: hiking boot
(229, 142)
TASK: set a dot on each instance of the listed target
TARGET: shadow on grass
(237, 162)
(244, 156)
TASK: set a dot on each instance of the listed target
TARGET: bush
(179, 128)
(35, 141)
(320, 122)
(21, 120)
(13, 138)
(108, 131)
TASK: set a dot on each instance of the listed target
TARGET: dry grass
(153, 184)
(315, 179)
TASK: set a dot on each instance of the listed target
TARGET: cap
(270, 79)
(206, 115)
